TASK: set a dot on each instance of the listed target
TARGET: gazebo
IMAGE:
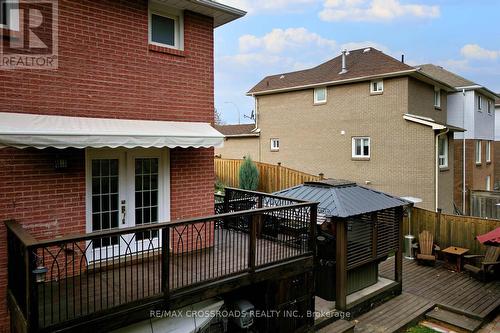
(358, 228)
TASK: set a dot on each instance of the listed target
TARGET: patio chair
(426, 248)
(488, 266)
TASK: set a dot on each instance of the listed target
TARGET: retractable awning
(43, 131)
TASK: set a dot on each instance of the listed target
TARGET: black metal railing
(74, 277)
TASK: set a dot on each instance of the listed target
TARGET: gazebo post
(341, 266)
(398, 269)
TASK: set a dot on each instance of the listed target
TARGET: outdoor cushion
(426, 256)
(472, 268)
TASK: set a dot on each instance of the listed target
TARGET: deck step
(454, 320)
(339, 326)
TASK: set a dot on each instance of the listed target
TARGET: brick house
(470, 106)
(131, 74)
(362, 116)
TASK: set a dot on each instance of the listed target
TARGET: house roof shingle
(360, 63)
(237, 130)
(445, 76)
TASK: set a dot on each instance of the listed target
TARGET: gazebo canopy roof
(341, 198)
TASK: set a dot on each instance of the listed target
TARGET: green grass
(420, 329)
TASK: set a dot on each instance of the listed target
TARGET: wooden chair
(426, 248)
(489, 265)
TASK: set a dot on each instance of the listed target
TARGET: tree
(249, 175)
(218, 118)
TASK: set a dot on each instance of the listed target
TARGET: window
(320, 95)
(479, 102)
(437, 98)
(165, 27)
(478, 152)
(9, 15)
(488, 151)
(3, 12)
(443, 151)
(488, 183)
(275, 144)
(377, 87)
(361, 147)
(489, 107)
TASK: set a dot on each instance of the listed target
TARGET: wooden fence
(451, 230)
(272, 177)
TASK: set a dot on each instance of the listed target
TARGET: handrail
(24, 236)
(14, 226)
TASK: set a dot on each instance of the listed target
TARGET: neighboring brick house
(108, 71)
(470, 106)
(240, 141)
(365, 117)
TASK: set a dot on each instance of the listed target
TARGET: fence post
(321, 176)
(165, 261)
(253, 242)
(437, 226)
(278, 180)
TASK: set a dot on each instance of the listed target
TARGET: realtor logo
(28, 34)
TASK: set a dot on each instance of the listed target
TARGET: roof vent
(367, 50)
(344, 66)
(282, 77)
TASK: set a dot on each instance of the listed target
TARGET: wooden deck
(444, 287)
(125, 282)
(425, 287)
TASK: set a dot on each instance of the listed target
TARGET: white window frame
(380, 84)
(478, 151)
(275, 144)
(353, 153)
(489, 107)
(488, 183)
(488, 151)
(316, 100)
(444, 157)
(479, 103)
(13, 19)
(437, 98)
(173, 14)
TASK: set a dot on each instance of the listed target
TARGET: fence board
(272, 177)
(451, 230)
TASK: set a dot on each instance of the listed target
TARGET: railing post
(437, 226)
(313, 217)
(341, 266)
(165, 261)
(252, 244)
(30, 262)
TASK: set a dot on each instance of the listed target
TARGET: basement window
(377, 87)
(165, 27)
(361, 147)
(275, 144)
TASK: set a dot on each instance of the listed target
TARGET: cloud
(253, 6)
(374, 10)
(279, 40)
(474, 51)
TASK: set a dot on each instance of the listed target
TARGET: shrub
(249, 175)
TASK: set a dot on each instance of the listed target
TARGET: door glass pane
(146, 195)
(105, 199)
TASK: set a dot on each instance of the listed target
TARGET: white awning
(42, 131)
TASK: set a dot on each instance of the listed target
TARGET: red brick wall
(106, 69)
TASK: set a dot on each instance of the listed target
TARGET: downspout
(463, 152)
(437, 165)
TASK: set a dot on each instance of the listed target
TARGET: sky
(279, 36)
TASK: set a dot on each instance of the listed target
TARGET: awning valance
(42, 131)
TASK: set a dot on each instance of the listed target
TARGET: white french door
(125, 188)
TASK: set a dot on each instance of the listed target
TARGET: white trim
(273, 145)
(362, 138)
(176, 15)
(380, 84)
(489, 107)
(479, 101)
(478, 151)
(316, 100)
(446, 152)
(424, 121)
(488, 151)
(488, 183)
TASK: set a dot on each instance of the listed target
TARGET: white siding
(497, 123)
(456, 104)
(484, 123)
